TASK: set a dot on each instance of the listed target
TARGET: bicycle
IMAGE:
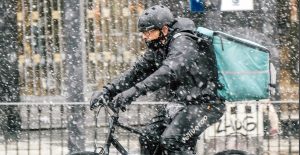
(112, 140)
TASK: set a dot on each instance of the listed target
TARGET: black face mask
(156, 43)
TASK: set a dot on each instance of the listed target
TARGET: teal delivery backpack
(243, 67)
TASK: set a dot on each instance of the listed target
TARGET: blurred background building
(111, 42)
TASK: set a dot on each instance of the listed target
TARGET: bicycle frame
(112, 140)
(113, 122)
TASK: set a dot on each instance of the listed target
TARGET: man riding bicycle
(185, 68)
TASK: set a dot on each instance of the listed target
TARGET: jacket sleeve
(139, 71)
(184, 53)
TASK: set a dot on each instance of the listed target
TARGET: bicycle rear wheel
(232, 152)
(85, 153)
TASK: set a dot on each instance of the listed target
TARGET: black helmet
(155, 17)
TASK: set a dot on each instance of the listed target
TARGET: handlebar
(110, 105)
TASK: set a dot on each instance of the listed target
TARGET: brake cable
(95, 141)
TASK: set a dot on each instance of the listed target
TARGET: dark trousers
(178, 135)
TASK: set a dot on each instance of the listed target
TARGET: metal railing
(44, 129)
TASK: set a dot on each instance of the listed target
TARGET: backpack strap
(187, 33)
(199, 37)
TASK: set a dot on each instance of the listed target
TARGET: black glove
(101, 97)
(126, 97)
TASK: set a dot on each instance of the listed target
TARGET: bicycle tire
(232, 152)
(84, 153)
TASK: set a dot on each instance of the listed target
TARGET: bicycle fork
(112, 140)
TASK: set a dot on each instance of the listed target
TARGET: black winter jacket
(186, 68)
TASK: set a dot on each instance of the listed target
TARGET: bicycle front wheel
(232, 152)
(85, 153)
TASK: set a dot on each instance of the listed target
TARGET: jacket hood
(184, 24)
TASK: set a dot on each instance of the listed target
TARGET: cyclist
(186, 68)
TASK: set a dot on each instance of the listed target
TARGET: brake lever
(94, 105)
(100, 103)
